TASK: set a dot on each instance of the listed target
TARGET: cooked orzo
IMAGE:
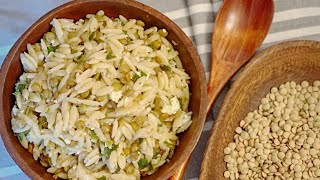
(101, 98)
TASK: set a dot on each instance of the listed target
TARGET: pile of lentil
(281, 139)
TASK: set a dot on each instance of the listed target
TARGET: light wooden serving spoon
(239, 30)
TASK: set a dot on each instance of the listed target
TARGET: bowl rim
(244, 73)
(23, 165)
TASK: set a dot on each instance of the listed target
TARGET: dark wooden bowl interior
(291, 61)
(12, 69)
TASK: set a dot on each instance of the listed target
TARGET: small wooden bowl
(289, 61)
(12, 69)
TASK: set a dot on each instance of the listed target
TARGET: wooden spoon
(240, 28)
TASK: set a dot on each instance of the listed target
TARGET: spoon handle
(239, 31)
(221, 73)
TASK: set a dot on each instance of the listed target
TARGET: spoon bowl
(239, 31)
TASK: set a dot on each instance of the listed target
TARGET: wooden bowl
(12, 69)
(289, 61)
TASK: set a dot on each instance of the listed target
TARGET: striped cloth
(293, 19)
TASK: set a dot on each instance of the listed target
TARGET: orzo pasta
(101, 98)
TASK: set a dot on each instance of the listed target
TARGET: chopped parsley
(91, 36)
(51, 49)
(155, 155)
(143, 74)
(135, 77)
(27, 132)
(20, 87)
(93, 135)
(169, 145)
(28, 110)
(143, 163)
(107, 151)
(20, 136)
(166, 68)
(82, 58)
(110, 55)
(23, 134)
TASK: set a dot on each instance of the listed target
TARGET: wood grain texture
(239, 31)
(12, 69)
(289, 61)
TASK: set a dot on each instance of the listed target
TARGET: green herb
(166, 68)
(16, 93)
(169, 145)
(143, 74)
(118, 169)
(102, 178)
(93, 135)
(140, 140)
(26, 132)
(155, 155)
(124, 31)
(135, 77)
(143, 163)
(28, 110)
(43, 122)
(51, 49)
(115, 147)
(91, 36)
(82, 58)
(107, 151)
(97, 76)
(20, 87)
(20, 136)
(99, 40)
(110, 55)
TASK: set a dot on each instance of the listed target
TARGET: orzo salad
(101, 98)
